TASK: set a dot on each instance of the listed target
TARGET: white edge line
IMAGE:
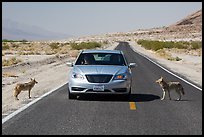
(29, 104)
(167, 70)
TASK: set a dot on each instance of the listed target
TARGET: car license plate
(98, 88)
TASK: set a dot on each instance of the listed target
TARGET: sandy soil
(51, 72)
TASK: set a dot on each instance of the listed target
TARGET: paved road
(143, 114)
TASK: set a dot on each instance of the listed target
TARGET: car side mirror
(132, 65)
(69, 64)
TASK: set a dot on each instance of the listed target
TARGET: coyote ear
(31, 79)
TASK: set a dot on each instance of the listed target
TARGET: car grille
(99, 78)
(91, 90)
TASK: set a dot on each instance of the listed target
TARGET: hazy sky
(87, 18)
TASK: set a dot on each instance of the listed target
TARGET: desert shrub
(175, 58)
(64, 49)
(180, 45)
(151, 45)
(11, 61)
(5, 47)
(156, 45)
(6, 40)
(54, 46)
(196, 45)
(65, 44)
(24, 41)
(85, 45)
(14, 45)
(74, 45)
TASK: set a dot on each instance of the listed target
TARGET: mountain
(195, 19)
(13, 30)
(190, 24)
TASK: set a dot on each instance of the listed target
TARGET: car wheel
(130, 90)
(127, 96)
(72, 96)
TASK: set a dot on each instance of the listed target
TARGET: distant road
(143, 114)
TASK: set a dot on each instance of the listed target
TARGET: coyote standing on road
(24, 86)
(170, 86)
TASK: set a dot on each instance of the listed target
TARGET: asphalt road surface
(143, 114)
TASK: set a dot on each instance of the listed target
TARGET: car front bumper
(113, 87)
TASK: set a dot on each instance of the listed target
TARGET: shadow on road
(132, 98)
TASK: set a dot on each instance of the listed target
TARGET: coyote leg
(179, 94)
(163, 95)
(15, 94)
(169, 94)
(29, 94)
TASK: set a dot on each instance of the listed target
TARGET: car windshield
(100, 59)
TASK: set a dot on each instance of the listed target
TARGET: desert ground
(51, 72)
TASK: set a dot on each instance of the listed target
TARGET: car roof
(102, 51)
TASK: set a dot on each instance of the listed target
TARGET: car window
(100, 59)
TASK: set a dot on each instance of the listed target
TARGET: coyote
(24, 86)
(170, 86)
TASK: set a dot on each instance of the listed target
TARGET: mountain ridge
(18, 31)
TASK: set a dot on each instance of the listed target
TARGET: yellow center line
(132, 105)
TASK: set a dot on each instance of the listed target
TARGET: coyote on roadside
(24, 86)
(170, 86)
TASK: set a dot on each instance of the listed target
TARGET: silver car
(100, 72)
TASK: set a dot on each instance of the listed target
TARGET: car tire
(127, 96)
(72, 96)
(130, 91)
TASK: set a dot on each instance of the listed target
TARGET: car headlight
(77, 76)
(120, 77)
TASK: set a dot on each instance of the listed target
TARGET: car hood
(100, 69)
